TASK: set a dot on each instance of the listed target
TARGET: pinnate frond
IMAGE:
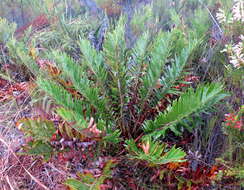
(191, 102)
(154, 152)
(160, 51)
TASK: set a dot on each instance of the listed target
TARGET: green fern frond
(38, 148)
(73, 117)
(39, 129)
(19, 51)
(115, 46)
(7, 30)
(140, 48)
(94, 60)
(60, 95)
(192, 101)
(174, 72)
(160, 51)
(75, 184)
(154, 152)
(82, 84)
(115, 56)
(112, 136)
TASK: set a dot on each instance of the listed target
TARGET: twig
(8, 181)
(32, 177)
(56, 169)
(212, 17)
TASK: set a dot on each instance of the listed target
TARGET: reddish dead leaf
(49, 66)
(173, 165)
(37, 23)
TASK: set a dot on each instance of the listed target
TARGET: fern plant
(121, 88)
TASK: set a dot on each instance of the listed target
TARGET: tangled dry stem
(18, 171)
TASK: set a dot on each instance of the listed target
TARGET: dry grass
(23, 172)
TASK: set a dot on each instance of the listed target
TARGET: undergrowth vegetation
(126, 94)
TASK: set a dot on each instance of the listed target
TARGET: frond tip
(155, 153)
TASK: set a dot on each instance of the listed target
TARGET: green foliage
(82, 84)
(160, 51)
(129, 92)
(88, 181)
(105, 79)
(200, 23)
(60, 95)
(18, 50)
(142, 19)
(122, 91)
(75, 184)
(155, 153)
(191, 102)
(7, 30)
(112, 136)
(103, 84)
(237, 172)
(94, 61)
(38, 148)
(174, 72)
(14, 51)
(233, 169)
(39, 129)
(64, 34)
